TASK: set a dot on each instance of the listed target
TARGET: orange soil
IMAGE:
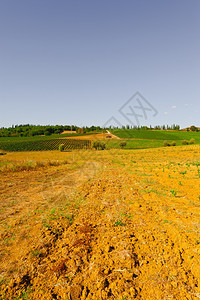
(108, 225)
(68, 131)
(98, 136)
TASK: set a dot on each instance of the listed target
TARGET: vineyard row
(53, 144)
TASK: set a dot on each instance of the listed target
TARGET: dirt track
(129, 232)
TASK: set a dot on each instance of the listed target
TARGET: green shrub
(98, 146)
(47, 132)
(192, 141)
(166, 144)
(184, 142)
(102, 146)
(61, 147)
(95, 145)
(122, 145)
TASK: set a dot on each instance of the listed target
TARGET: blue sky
(78, 62)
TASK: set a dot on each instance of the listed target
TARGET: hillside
(156, 134)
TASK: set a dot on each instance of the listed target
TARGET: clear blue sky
(77, 62)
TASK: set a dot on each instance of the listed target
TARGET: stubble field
(112, 224)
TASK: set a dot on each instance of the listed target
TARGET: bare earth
(105, 225)
(98, 136)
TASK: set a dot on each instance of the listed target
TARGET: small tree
(122, 145)
(166, 144)
(192, 141)
(193, 128)
(97, 145)
(80, 130)
(61, 147)
(47, 132)
(102, 146)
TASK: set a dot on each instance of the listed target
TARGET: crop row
(42, 145)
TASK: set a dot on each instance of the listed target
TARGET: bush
(97, 145)
(184, 142)
(166, 144)
(122, 145)
(102, 146)
(193, 128)
(192, 141)
(47, 132)
(61, 147)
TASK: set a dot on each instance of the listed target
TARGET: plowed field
(101, 225)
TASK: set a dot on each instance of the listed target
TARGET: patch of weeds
(37, 211)
(56, 232)
(66, 204)
(166, 221)
(52, 214)
(70, 218)
(35, 253)
(24, 294)
(52, 211)
(119, 223)
(9, 240)
(78, 202)
(46, 225)
(174, 193)
(126, 215)
(153, 191)
(180, 183)
(3, 281)
(183, 172)
(144, 174)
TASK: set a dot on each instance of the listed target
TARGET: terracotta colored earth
(68, 131)
(98, 136)
(101, 225)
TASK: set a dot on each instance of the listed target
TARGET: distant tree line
(157, 127)
(33, 130)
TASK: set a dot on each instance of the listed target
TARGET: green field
(156, 134)
(135, 139)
